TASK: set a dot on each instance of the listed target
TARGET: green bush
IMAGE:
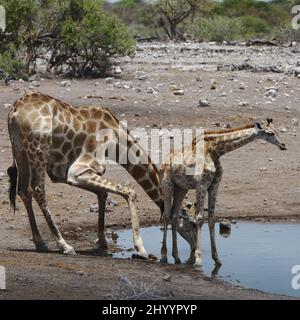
(223, 28)
(78, 35)
(10, 65)
(90, 41)
(252, 27)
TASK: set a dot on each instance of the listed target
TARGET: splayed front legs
(84, 177)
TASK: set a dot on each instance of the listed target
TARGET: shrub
(251, 26)
(74, 36)
(218, 28)
(223, 28)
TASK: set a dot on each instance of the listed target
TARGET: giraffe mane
(224, 131)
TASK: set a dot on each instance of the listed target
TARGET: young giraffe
(176, 182)
(50, 136)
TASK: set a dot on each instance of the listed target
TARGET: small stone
(66, 83)
(150, 90)
(117, 71)
(271, 93)
(295, 122)
(297, 71)
(167, 278)
(94, 208)
(225, 228)
(7, 105)
(204, 103)
(217, 124)
(243, 104)
(109, 80)
(283, 129)
(263, 169)
(178, 92)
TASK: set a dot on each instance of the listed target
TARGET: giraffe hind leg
(39, 194)
(22, 185)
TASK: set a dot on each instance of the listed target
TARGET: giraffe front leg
(199, 215)
(179, 195)
(101, 243)
(212, 196)
(166, 219)
(82, 176)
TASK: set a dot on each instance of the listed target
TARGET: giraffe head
(269, 133)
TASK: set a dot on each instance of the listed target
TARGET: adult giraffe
(50, 136)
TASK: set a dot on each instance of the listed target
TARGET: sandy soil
(259, 180)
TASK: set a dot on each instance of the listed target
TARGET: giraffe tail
(13, 176)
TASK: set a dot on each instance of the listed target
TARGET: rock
(112, 202)
(178, 92)
(295, 122)
(204, 103)
(271, 93)
(167, 278)
(118, 71)
(296, 71)
(35, 84)
(217, 124)
(223, 95)
(94, 208)
(283, 129)
(243, 104)
(109, 80)
(263, 169)
(66, 83)
(150, 90)
(7, 105)
(225, 228)
(142, 77)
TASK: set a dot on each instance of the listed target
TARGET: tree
(170, 13)
(70, 36)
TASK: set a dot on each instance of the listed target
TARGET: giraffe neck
(228, 141)
(130, 155)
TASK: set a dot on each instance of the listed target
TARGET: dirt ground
(260, 181)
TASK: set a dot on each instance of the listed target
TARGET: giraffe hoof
(41, 247)
(164, 260)
(139, 256)
(197, 264)
(177, 261)
(70, 251)
(152, 257)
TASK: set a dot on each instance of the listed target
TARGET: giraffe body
(176, 182)
(49, 136)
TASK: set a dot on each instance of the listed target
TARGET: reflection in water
(255, 255)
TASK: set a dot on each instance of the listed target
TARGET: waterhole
(255, 255)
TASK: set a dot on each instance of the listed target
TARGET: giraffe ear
(257, 125)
